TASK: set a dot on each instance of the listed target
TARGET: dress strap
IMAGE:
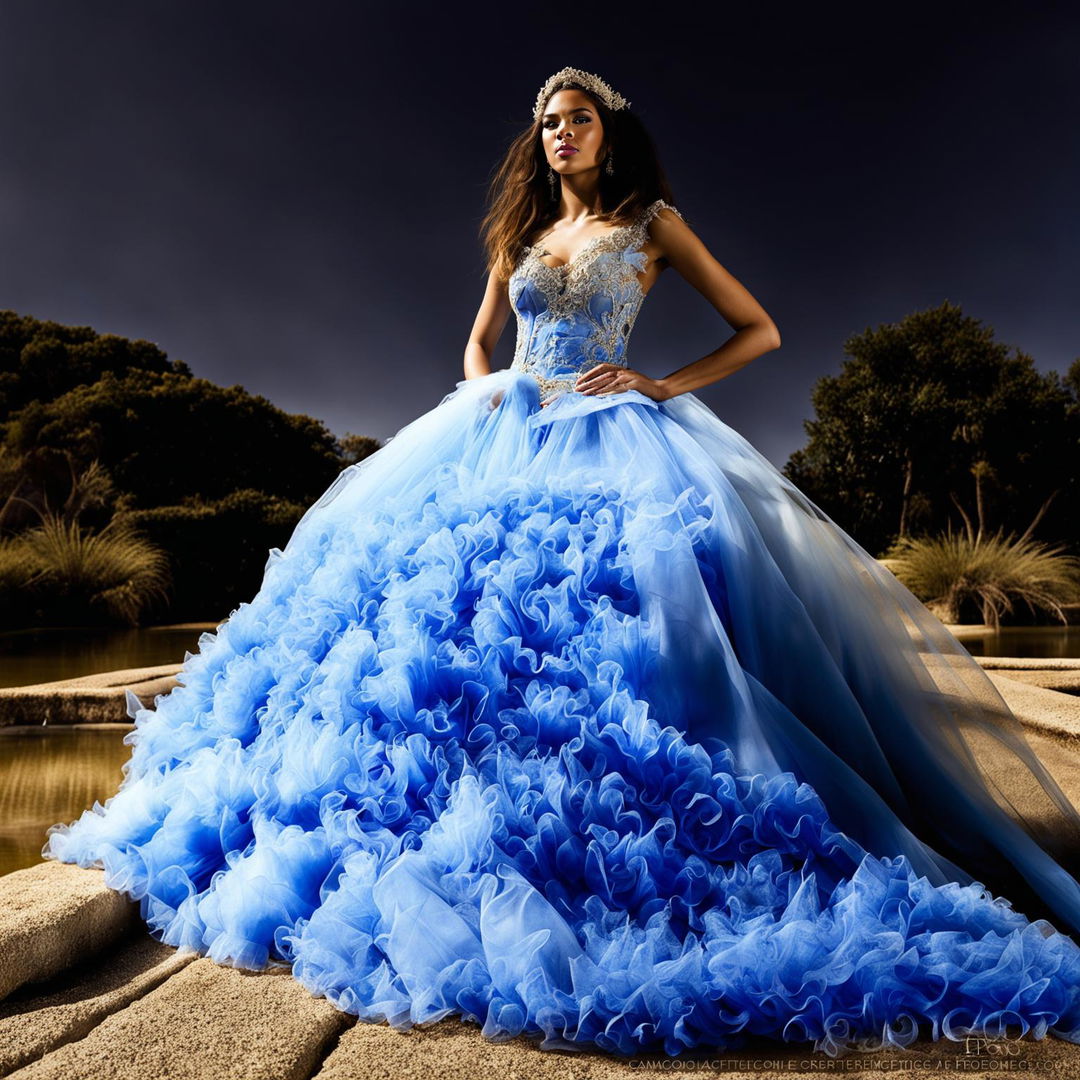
(652, 210)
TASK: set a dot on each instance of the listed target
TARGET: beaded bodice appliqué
(572, 317)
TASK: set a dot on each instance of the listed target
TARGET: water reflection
(53, 774)
(48, 654)
(1053, 642)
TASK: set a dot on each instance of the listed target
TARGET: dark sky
(287, 195)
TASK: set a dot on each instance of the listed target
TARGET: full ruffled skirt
(583, 722)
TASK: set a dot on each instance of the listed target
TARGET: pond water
(1041, 641)
(50, 654)
(52, 774)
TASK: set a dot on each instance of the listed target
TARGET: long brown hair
(519, 197)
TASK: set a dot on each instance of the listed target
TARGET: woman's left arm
(755, 332)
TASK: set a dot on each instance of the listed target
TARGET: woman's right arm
(487, 328)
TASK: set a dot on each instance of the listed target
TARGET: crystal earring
(551, 180)
(609, 168)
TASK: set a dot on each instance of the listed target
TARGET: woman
(567, 713)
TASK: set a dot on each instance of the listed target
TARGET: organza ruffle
(515, 730)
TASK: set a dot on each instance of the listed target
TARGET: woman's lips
(566, 151)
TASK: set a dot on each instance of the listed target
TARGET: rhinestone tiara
(593, 83)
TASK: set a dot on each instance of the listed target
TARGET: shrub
(67, 573)
(218, 550)
(954, 571)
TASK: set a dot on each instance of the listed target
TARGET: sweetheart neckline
(530, 249)
(563, 278)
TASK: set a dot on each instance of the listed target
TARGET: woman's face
(570, 120)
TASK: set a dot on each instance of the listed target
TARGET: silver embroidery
(549, 386)
(574, 316)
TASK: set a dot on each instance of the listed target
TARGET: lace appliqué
(589, 304)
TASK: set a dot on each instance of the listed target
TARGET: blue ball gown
(583, 721)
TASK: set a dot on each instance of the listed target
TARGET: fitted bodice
(572, 317)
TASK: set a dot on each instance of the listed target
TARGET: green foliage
(959, 572)
(165, 437)
(58, 565)
(19, 566)
(99, 435)
(42, 360)
(929, 416)
(354, 448)
(218, 550)
(89, 490)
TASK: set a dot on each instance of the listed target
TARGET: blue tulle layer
(440, 766)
